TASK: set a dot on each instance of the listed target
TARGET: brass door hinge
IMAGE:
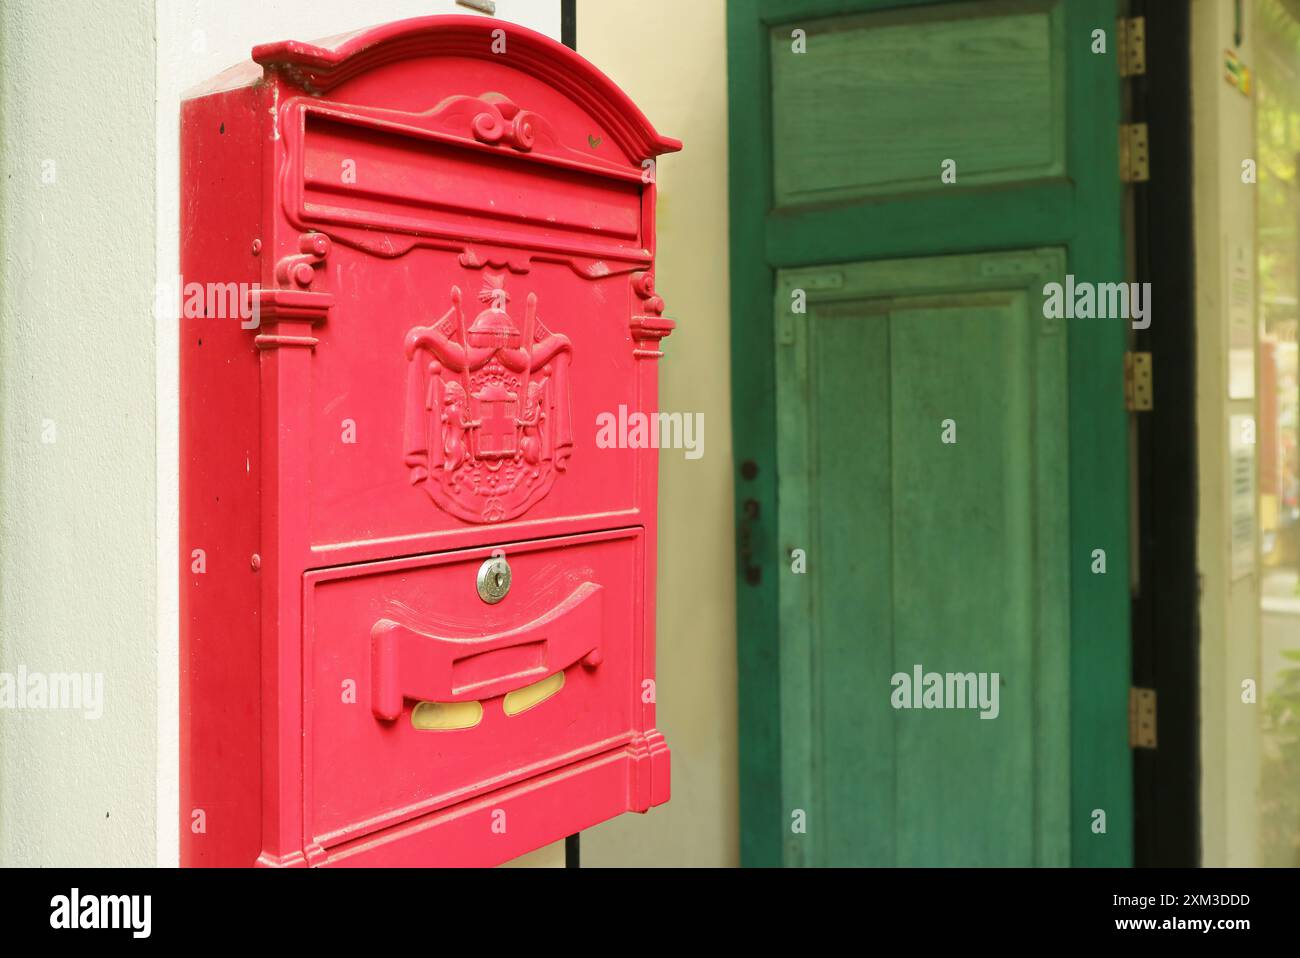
(1142, 718)
(1132, 49)
(1134, 163)
(1139, 393)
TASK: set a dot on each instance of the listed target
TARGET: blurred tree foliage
(1280, 786)
(1277, 132)
(1277, 136)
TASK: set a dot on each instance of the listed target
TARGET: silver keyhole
(494, 580)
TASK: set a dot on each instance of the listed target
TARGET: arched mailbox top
(321, 66)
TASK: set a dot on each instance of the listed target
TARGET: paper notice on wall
(1241, 444)
(1241, 323)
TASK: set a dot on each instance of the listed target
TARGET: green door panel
(828, 463)
(882, 99)
(963, 587)
(947, 556)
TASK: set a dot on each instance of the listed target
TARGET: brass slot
(446, 716)
(521, 700)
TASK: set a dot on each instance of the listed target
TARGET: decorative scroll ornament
(650, 326)
(488, 424)
(288, 312)
(504, 122)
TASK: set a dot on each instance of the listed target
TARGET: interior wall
(670, 57)
(1223, 132)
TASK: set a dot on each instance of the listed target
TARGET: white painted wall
(77, 544)
(197, 39)
(88, 536)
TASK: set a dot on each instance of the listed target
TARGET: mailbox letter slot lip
(411, 664)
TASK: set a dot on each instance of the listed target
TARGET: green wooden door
(928, 464)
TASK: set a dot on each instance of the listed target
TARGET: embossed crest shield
(487, 413)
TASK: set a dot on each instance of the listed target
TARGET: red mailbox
(417, 597)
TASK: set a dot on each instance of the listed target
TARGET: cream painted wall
(1223, 130)
(77, 576)
(670, 57)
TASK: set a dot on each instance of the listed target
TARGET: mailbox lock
(494, 580)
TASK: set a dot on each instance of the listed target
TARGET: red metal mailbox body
(417, 597)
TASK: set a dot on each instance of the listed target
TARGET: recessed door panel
(921, 462)
(876, 103)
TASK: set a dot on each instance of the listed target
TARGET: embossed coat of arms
(487, 415)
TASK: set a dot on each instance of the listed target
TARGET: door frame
(1081, 212)
(1166, 602)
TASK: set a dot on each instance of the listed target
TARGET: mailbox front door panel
(447, 225)
(420, 696)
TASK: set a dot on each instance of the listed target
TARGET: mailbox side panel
(221, 215)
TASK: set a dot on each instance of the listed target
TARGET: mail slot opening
(446, 716)
(521, 700)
